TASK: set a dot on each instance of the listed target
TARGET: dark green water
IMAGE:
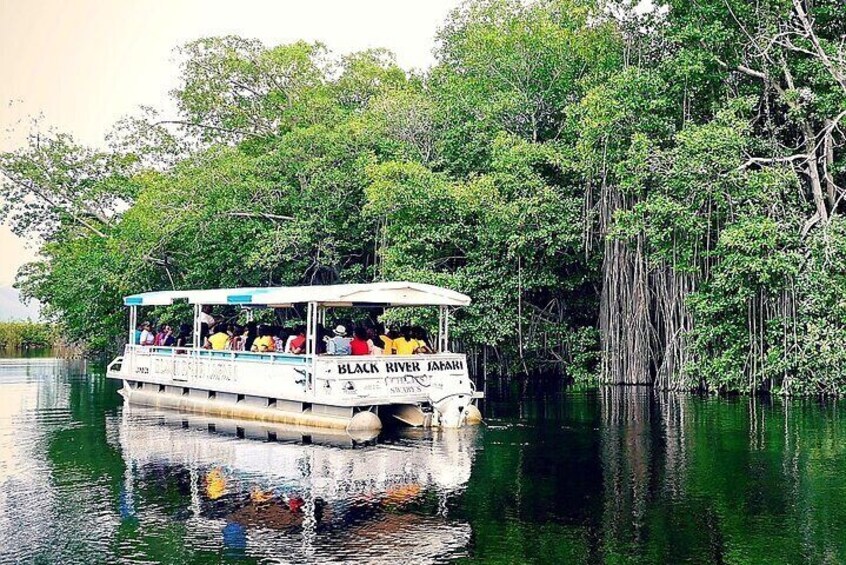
(615, 476)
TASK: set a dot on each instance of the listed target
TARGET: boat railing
(285, 358)
(266, 357)
(115, 365)
(381, 369)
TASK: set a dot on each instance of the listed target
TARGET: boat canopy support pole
(133, 323)
(443, 329)
(197, 327)
(311, 320)
(311, 340)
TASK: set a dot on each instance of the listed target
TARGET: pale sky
(84, 64)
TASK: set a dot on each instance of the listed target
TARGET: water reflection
(270, 491)
(561, 475)
(687, 478)
(627, 449)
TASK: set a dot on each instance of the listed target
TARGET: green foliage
(509, 66)
(27, 335)
(54, 181)
(560, 155)
(757, 265)
(232, 86)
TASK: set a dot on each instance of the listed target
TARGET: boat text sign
(401, 376)
(401, 367)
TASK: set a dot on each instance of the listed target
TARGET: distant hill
(11, 307)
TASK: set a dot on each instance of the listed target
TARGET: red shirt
(359, 347)
(298, 342)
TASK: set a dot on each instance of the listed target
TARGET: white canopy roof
(382, 293)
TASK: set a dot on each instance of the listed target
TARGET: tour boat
(331, 391)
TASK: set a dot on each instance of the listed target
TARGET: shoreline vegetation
(633, 197)
(25, 335)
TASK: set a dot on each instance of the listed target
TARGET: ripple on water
(600, 477)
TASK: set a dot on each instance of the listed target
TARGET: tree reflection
(585, 476)
(627, 449)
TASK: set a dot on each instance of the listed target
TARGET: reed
(27, 335)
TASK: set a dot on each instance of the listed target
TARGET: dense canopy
(646, 195)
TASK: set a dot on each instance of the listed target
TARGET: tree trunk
(624, 302)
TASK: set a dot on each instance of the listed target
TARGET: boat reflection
(270, 491)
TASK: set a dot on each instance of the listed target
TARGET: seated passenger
(252, 334)
(373, 340)
(280, 338)
(321, 339)
(167, 339)
(388, 340)
(206, 317)
(204, 335)
(419, 334)
(147, 336)
(160, 335)
(184, 339)
(405, 344)
(241, 338)
(340, 344)
(235, 341)
(296, 343)
(360, 345)
(220, 339)
(264, 342)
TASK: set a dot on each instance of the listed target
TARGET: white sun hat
(340, 330)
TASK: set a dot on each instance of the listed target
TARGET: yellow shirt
(219, 340)
(389, 344)
(264, 344)
(405, 346)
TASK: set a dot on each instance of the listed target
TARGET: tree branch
(206, 126)
(772, 160)
(260, 215)
(808, 27)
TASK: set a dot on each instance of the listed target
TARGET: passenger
(206, 317)
(405, 344)
(235, 344)
(419, 334)
(360, 345)
(138, 329)
(280, 338)
(291, 337)
(252, 334)
(373, 340)
(147, 337)
(296, 343)
(167, 338)
(221, 338)
(204, 336)
(234, 337)
(264, 343)
(241, 337)
(184, 339)
(159, 335)
(340, 344)
(388, 340)
(321, 339)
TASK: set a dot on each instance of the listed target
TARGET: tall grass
(27, 335)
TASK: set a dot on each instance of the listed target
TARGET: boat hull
(351, 393)
(360, 421)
